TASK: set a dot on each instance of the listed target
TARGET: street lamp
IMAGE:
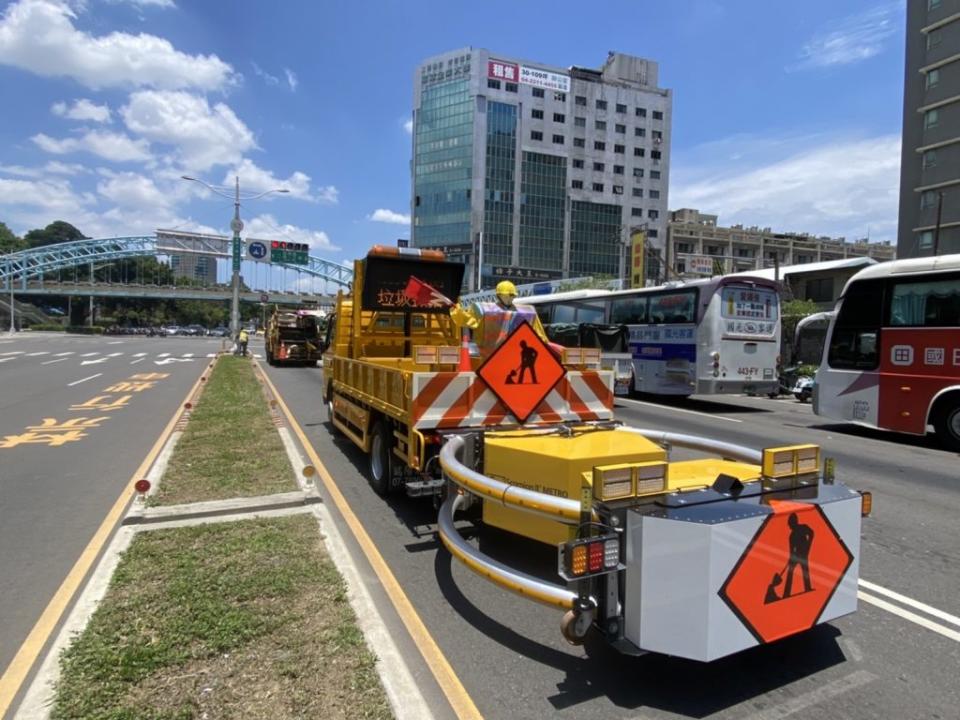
(236, 225)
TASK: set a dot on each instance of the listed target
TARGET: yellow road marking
(20, 666)
(459, 699)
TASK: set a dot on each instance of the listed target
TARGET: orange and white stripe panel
(449, 400)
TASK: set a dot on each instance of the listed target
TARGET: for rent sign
(511, 72)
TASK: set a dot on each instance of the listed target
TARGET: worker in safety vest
(242, 339)
(492, 322)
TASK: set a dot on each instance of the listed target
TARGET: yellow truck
(697, 558)
(293, 336)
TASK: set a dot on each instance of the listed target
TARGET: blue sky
(785, 114)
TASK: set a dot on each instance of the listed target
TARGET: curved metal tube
(559, 509)
(729, 450)
(496, 572)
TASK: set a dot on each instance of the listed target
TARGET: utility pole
(13, 327)
(236, 225)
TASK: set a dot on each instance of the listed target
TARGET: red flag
(423, 295)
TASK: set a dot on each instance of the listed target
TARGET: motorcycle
(803, 389)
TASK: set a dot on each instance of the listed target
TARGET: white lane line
(69, 352)
(787, 707)
(94, 362)
(139, 354)
(51, 362)
(13, 352)
(675, 409)
(928, 609)
(211, 354)
(114, 354)
(89, 354)
(3, 360)
(163, 355)
(912, 617)
(116, 342)
(36, 354)
(77, 382)
(187, 355)
(139, 360)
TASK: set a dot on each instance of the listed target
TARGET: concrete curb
(216, 508)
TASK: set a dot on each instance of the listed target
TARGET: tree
(9, 242)
(53, 234)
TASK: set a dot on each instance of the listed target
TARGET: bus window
(564, 313)
(854, 344)
(932, 303)
(675, 307)
(628, 311)
(590, 313)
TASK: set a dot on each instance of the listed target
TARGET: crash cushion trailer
(293, 336)
(696, 558)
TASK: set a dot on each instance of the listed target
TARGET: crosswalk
(47, 357)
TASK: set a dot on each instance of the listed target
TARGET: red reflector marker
(188, 405)
(142, 486)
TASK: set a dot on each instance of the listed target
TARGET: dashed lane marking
(115, 354)
(140, 354)
(77, 382)
(3, 360)
(13, 352)
(69, 352)
(90, 354)
(140, 360)
(35, 354)
(163, 355)
(51, 362)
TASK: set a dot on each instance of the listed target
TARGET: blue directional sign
(258, 251)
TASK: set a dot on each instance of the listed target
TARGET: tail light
(591, 556)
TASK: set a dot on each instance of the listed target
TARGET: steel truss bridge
(25, 269)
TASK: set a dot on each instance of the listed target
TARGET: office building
(930, 155)
(697, 246)
(194, 267)
(543, 171)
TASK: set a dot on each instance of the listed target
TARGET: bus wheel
(947, 425)
(380, 460)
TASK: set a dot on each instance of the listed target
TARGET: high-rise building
(194, 267)
(545, 172)
(930, 157)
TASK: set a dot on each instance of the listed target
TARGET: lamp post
(236, 226)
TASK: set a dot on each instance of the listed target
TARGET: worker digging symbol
(801, 540)
(528, 361)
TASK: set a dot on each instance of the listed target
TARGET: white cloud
(162, 4)
(264, 75)
(836, 187)
(851, 39)
(53, 196)
(389, 216)
(408, 126)
(203, 135)
(267, 227)
(56, 167)
(254, 179)
(39, 36)
(133, 191)
(115, 147)
(82, 109)
(291, 79)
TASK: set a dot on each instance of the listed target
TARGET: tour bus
(892, 356)
(710, 336)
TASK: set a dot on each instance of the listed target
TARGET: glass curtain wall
(443, 165)
(594, 239)
(499, 201)
(543, 182)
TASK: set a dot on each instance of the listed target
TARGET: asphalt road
(58, 484)
(512, 660)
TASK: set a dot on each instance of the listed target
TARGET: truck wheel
(947, 426)
(333, 427)
(380, 459)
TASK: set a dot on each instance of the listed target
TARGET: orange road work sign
(521, 372)
(788, 573)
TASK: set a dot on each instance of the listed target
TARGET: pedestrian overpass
(27, 271)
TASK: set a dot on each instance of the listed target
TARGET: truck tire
(380, 466)
(946, 423)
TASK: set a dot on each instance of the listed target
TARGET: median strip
(229, 447)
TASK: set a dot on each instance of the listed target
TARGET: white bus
(711, 336)
(892, 356)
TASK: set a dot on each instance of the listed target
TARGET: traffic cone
(465, 364)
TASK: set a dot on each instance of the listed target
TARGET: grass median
(246, 619)
(230, 447)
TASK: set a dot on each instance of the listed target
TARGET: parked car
(803, 389)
